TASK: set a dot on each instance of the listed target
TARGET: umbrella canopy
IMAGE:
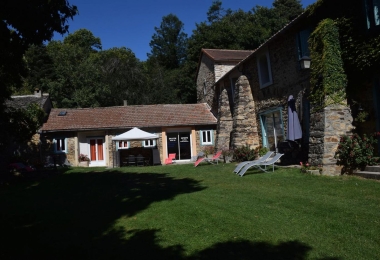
(134, 134)
(294, 127)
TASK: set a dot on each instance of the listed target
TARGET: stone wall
(205, 81)
(222, 69)
(225, 122)
(245, 130)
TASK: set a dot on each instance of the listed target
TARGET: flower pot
(314, 172)
(84, 164)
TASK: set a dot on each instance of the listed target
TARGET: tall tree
(168, 44)
(23, 23)
(122, 77)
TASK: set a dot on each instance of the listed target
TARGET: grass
(186, 212)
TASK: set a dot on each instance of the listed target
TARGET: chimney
(37, 93)
(125, 103)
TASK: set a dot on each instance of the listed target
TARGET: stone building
(250, 99)
(182, 129)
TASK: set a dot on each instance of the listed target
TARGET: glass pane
(376, 7)
(273, 129)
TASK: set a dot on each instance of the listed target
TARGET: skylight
(62, 113)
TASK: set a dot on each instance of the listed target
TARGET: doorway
(180, 144)
(96, 151)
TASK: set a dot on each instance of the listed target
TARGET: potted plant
(84, 161)
(208, 150)
(227, 154)
(312, 169)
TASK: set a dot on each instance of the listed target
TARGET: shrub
(208, 150)
(244, 153)
(306, 166)
(261, 151)
(355, 152)
(83, 158)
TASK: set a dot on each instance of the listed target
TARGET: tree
(75, 81)
(23, 23)
(122, 77)
(168, 44)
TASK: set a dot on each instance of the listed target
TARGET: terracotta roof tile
(129, 116)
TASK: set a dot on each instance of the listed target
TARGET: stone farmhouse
(248, 90)
(182, 129)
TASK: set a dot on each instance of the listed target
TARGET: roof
(281, 31)
(227, 55)
(25, 101)
(122, 117)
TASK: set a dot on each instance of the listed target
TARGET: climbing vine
(328, 79)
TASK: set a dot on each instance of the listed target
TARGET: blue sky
(131, 24)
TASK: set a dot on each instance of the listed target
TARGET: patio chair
(264, 158)
(212, 160)
(170, 158)
(140, 160)
(259, 165)
(131, 160)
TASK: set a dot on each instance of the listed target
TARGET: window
(264, 69)
(372, 8)
(123, 145)
(59, 145)
(302, 44)
(272, 128)
(149, 143)
(206, 137)
(231, 94)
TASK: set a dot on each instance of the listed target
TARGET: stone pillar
(338, 122)
(244, 117)
(326, 128)
(224, 127)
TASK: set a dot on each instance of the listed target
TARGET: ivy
(328, 79)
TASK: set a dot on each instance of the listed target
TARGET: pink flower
(307, 164)
(301, 163)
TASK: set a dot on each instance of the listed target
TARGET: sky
(130, 24)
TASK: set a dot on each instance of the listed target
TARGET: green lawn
(186, 212)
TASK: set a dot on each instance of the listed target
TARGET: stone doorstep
(370, 172)
(368, 175)
(374, 168)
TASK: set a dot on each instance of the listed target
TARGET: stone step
(368, 174)
(375, 168)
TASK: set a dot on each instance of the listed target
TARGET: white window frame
(63, 143)
(210, 136)
(268, 69)
(123, 145)
(149, 143)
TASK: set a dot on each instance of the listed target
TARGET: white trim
(269, 70)
(63, 142)
(210, 136)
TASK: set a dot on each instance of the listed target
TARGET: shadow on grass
(71, 216)
(71, 211)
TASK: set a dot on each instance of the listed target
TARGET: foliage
(244, 153)
(305, 166)
(25, 122)
(207, 150)
(356, 152)
(169, 43)
(23, 23)
(328, 80)
(261, 150)
(83, 158)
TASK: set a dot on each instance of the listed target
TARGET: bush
(244, 153)
(261, 151)
(355, 152)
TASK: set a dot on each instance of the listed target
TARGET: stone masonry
(244, 117)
